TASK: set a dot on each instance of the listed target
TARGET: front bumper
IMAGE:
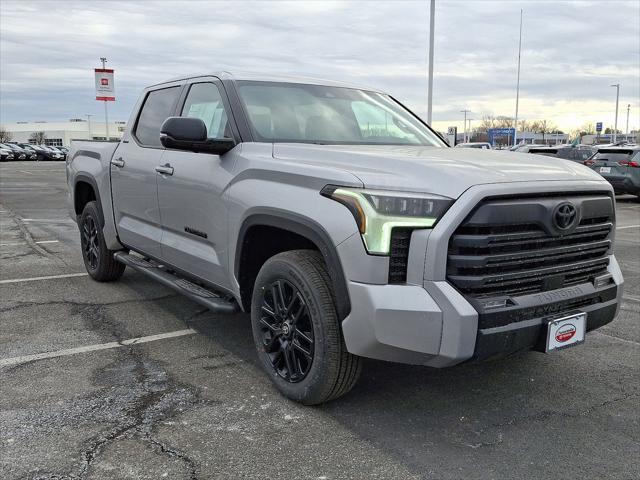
(438, 327)
(428, 322)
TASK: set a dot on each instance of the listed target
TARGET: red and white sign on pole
(105, 88)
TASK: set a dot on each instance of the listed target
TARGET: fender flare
(309, 229)
(91, 181)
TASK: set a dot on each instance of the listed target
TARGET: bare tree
(5, 135)
(487, 122)
(524, 125)
(504, 122)
(38, 137)
(543, 127)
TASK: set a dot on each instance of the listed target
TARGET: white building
(61, 133)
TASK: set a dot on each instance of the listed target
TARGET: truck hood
(443, 171)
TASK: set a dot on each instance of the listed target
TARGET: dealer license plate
(605, 169)
(566, 331)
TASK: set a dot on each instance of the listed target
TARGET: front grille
(399, 254)
(510, 247)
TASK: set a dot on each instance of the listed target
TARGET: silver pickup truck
(346, 227)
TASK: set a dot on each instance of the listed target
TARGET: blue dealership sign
(599, 127)
(504, 134)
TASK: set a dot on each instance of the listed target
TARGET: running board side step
(198, 294)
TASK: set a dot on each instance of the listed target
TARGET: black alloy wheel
(90, 243)
(287, 330)
(98, 259)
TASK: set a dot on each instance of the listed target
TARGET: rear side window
(156, 109)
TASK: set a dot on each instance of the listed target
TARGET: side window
(205, 102)
(156, 109)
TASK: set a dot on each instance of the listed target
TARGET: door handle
(165, 169)
(118, 162)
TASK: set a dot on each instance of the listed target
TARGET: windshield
(291, 112)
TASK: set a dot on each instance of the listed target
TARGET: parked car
(481, 145)
(346, 227)
(58, 150)
(526, 147)
(18, 153)
(566, 152)
(45, 153)
(30, 149)
(620, 166)
(6, 154)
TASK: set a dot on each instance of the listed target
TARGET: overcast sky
(572, 52)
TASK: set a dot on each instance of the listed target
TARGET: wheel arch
(85, 190)
(302, 227)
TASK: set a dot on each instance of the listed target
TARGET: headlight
(378, 212)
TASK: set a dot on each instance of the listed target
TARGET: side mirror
(188, 133)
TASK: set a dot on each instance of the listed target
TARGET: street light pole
(515, 133)
(627, 129)
(469, 129)
(615, 126)
(106, 116)
(465, 111)
(431, 36)
(89, 115)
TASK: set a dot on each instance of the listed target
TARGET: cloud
(572, 52)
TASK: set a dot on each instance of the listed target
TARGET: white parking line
(60, 220)
(630, 297)
(49, 277)
(627, 226)
(92, 348)
(23, 243)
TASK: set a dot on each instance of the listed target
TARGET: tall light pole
(106, 116)
(89, 115)
(431, 36)
(469, 129)
(465, 111)
(515, 134)
(615, 126)
(627, 129)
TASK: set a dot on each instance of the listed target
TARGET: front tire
(296, 329)
(98, 259)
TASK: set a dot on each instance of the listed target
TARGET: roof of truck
(270, 77)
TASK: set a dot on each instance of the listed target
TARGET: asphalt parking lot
(186, 398)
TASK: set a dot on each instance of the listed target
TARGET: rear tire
(297, 332)
(98, 259)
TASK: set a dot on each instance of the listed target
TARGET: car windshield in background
(291, 112)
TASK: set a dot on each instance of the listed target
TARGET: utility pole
(627, 129)
(615, 126)
(515, 134)
(431, 37)
(465, 111)
(106, 116)
(89, 115)
(469, 129)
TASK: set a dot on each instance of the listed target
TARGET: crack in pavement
(160, 399)
(20, 304)
(545, 414)
(25, 234)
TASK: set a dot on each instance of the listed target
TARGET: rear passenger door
(191, 196)
(134, 178)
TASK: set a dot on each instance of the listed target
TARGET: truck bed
(104, 149)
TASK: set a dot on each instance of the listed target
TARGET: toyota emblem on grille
(565, 215)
